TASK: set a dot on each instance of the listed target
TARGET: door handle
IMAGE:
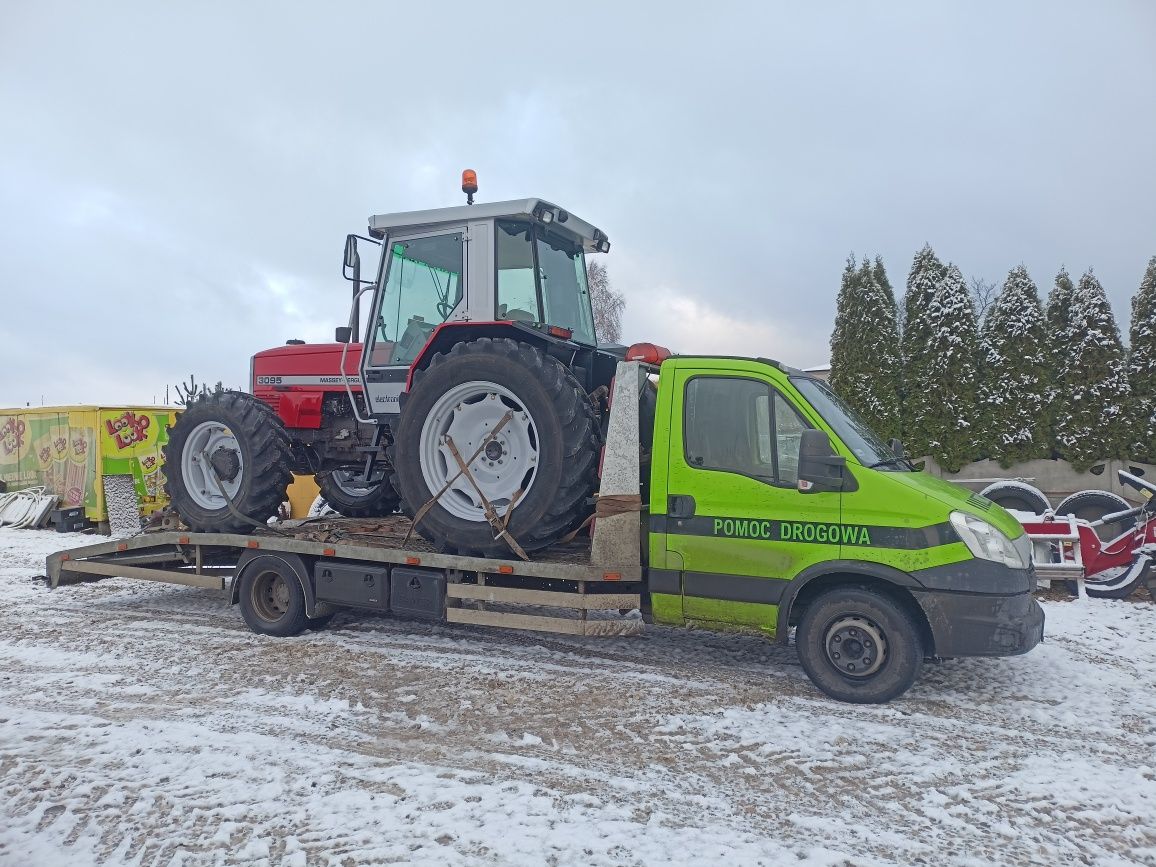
(680, 506)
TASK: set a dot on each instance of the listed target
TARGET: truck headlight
(986, 542)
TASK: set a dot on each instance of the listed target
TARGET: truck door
(737, 526)
(423, 283)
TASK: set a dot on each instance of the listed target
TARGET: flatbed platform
(478, 590)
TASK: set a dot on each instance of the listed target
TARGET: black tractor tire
(377, 502)
(262, 459)
(856, 618)
(568, 443)
(271, 598)
(1017, 495)
(1093, 505)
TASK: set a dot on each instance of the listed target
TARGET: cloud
(689, 326)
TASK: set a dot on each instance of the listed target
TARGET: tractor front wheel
(227, 463)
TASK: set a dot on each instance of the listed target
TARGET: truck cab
(772, 506)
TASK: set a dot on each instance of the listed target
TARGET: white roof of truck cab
(576, 227)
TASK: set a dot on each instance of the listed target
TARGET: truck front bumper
(981, 624)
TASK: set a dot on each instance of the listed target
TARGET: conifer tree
(880, 275)
(1057, 320)
(865, 349)
(917, 349)
(1142, 368)
(1015, 369)
(1090, 421)
(949, 381)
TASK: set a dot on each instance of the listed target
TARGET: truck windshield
(863, 442)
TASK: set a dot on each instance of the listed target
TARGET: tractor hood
(305, 364)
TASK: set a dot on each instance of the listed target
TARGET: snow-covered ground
(144, 724)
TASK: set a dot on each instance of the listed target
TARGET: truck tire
(840, 638)
(1018, 496)
(352, 501)
(234, 437)
(271, 598)
(543, 461)
(1093, 505)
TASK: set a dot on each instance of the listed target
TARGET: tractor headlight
(986, 542)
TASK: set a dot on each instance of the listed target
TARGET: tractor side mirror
(343, 334)
(820, 469)
(352, 259)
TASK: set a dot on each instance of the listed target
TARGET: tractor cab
(500, 268)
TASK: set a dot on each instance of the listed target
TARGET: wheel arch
(299, 565)
(812, 582)
(446, 335)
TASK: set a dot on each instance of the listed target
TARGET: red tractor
(479, 350)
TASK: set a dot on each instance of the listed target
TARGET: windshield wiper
(892, 462)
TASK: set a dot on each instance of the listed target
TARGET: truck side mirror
(820, 469)
(343, 334)
(896, 448)
(352, 260)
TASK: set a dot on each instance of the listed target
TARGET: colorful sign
(69, 449)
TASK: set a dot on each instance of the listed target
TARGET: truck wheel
(1093, 505)
(1019, 496)
(357, 501)
(543, 461)
(272, 601)
(859, 646)
(235, 438)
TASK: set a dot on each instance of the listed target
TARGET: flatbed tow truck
(735, 495)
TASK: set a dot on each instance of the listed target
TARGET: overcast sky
(176, 182)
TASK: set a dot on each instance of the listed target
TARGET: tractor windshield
(542, 278)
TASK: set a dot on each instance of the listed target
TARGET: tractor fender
(294, 561)
(446, 335)
(842, 569)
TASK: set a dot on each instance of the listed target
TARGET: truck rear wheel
(353, 500)
(234, 439)
(271, 598)
(858, 645)
(541, 464)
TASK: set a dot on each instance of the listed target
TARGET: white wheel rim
(199, 476)
(508, 464)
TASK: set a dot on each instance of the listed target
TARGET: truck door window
(422, 288)
(741, 426)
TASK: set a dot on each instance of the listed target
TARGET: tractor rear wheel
(541, 464)
(227, 448)
(346, 497)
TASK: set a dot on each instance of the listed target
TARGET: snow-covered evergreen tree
(865, 348)
(1016, 370)
(1142, 368)
(917, 349)
(1057, 320)
(1090, 421)
(948, 382)
(880, 275)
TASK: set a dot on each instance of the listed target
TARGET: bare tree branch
(607, 303)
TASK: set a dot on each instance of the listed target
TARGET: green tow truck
(735, 494)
